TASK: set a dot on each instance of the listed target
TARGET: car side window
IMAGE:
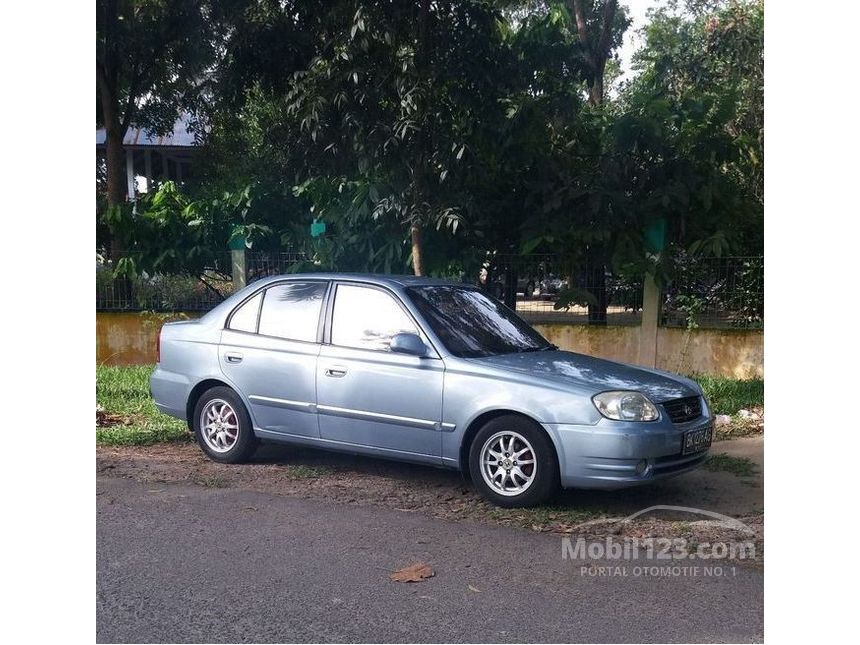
(367, 318)
(292, 310)
(245, 317)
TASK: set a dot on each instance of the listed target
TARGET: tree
(699, 96)
(599, 27)
(151, 57)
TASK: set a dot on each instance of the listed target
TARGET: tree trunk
(511, 276)
(417, 248)
(596, 52)
(115, 161)
(114, 152)
(421, 64)
(596, 286)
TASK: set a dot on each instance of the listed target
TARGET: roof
(370, 278)
(180, 137)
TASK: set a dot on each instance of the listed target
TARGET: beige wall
(737, 354)
(129, 339)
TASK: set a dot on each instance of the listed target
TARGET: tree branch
(609, 10)
(580, 22)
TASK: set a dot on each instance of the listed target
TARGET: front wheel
(513, 463)
(223, 427)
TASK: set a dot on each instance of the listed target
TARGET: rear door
(368, 395)
(269, 351)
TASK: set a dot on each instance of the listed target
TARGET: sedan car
(424, 371)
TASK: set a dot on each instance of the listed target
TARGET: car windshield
(471, 324)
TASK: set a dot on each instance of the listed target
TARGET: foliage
(474, 123)
(198, 231)
(150, 55)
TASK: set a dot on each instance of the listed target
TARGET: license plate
(697, 440)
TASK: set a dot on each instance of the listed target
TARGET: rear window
(245, 317)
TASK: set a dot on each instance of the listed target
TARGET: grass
(124, 392)
(542, 516)
(301, 471)
(727, 395)
(740, 466)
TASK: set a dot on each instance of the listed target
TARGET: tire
(223, 407)
(542, 474)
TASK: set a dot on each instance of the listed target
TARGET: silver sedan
(425, 371)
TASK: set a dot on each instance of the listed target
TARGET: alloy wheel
(219, 425)
(508, 463)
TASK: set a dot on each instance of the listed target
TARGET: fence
(714, 293)
(548, 288)
(169, 293)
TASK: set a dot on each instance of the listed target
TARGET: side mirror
(408, 343)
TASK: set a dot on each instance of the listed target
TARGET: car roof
(368, 278)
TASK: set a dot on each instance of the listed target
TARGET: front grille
(683, 410)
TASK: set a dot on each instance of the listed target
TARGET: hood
(594, 374)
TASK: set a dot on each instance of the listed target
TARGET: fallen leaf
(414, 573)
(475, 589)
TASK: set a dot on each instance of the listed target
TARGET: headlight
(626, 406)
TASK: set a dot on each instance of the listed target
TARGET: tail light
(158, 346)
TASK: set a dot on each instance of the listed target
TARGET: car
(426, 371)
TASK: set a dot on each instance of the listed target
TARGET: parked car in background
(426, 371)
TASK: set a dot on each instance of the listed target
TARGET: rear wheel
(513, 463)
(222, 426)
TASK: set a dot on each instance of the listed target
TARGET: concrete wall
(732, 353)
(129, 339)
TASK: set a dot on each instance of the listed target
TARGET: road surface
(181, 563)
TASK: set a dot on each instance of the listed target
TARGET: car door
(368, 395)
(269, 351)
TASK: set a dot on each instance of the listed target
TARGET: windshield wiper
(545, 348)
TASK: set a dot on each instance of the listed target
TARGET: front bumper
(607, 454)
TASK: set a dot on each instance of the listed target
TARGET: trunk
(115, 180)
(417, 249)
(115, 165)
(511, 287)
(418, 171)
(597, 51)
(114, 152)
(595, 92)
(596, 285)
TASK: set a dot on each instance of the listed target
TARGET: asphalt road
(188, 563)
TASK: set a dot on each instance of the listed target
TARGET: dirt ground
(362, 481)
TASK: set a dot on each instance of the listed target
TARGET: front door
(269, 350)
(368, 395)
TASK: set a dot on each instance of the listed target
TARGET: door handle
(233, 357)
(335, 371)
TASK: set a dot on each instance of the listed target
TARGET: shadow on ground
(359, 480)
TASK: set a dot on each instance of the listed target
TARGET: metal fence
(261, 264)
(716, 293)
(704, 292)
(169, 293)
(551, 288)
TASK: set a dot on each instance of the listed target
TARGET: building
(151, 158)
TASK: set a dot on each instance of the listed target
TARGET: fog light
(641, 467)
